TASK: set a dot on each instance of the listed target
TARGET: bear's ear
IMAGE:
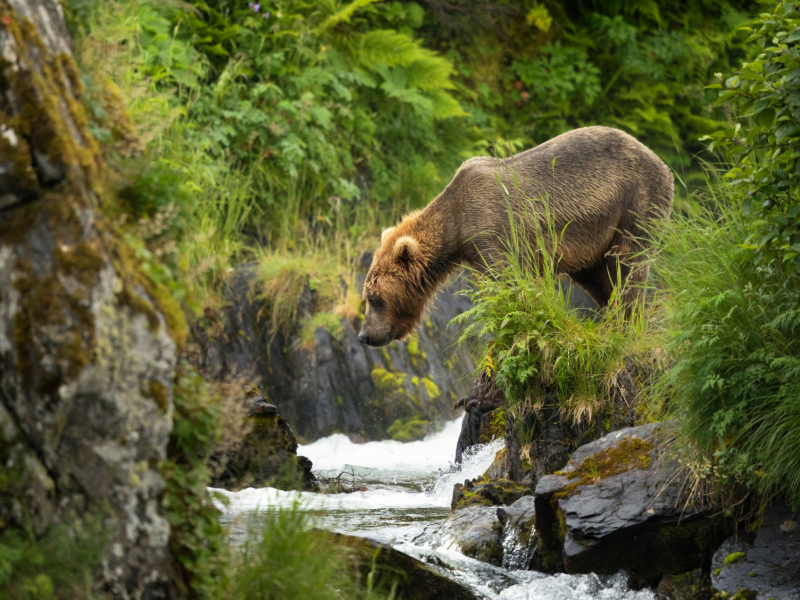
(386, 233)
(406, 250)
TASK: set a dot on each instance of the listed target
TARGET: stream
(409, 489)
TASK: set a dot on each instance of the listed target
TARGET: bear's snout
(365, 338)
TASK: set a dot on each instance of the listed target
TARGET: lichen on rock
(85, 378)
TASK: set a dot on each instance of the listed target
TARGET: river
(409, 488)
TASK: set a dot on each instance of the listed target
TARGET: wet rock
(267, 456)
(619, 503)
(501, 492)
(338, 385)
(88, 344)
(767, 566)
(484, 417)
(553, 439)
(519, 533)
(693, 585)
(415, 580)
(475, 531)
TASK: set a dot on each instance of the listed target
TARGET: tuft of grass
(325, 272)
(284, 558)
(329, 321)
(734, 344)
(538, 344)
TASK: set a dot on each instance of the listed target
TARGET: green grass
(734, 346)
(326, 270)
(539, 345)
(285, 559)
(55, 566)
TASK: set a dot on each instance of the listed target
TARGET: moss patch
(501, 492)
(409, 430)
(493, 425)
(733, 558)
(629, 453)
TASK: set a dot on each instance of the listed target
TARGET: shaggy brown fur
(602, 188)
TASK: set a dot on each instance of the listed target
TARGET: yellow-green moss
(50, 113)
(733, 558)
(159, 393)
(629, 453)
(410, 429)
(387, 360)
(430, 387)
(496, 428)
(82, 261)
(414, 353)
(387, 381)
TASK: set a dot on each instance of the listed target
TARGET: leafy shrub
(764, 140)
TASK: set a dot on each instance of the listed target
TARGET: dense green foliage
(735, 381)
(763, 142)
(528, 71)
(307, 119)
(734, 308)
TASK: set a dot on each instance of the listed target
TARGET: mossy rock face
(267, 456)
(619, 503)
(88, 358)
(409, 430)
(492, 493)
(337, 384)
(414, 580)
(692, 585)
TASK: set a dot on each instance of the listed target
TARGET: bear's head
(395, 289)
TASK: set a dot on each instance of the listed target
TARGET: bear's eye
(376, 302)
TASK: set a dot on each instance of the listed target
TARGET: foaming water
(409, 490)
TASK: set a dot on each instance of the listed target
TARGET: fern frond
(343, 15)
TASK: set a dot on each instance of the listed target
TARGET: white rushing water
(409, 488)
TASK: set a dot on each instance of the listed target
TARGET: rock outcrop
(87, 342)
(475, 531)
(402, 391)
(414, 580)
(621, 503)
(763, 565)
(266, 455)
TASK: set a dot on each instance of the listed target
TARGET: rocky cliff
(402, 391)
(87, 355)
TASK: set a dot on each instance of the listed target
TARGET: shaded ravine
(409, 490)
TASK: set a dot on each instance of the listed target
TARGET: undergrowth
(734, 343)
(55, 566)
(324, 271)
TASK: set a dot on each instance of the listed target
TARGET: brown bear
(601, 188)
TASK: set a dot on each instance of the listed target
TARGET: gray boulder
(621, 503)
(475, 531)
(519, 533)
(767, 566)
